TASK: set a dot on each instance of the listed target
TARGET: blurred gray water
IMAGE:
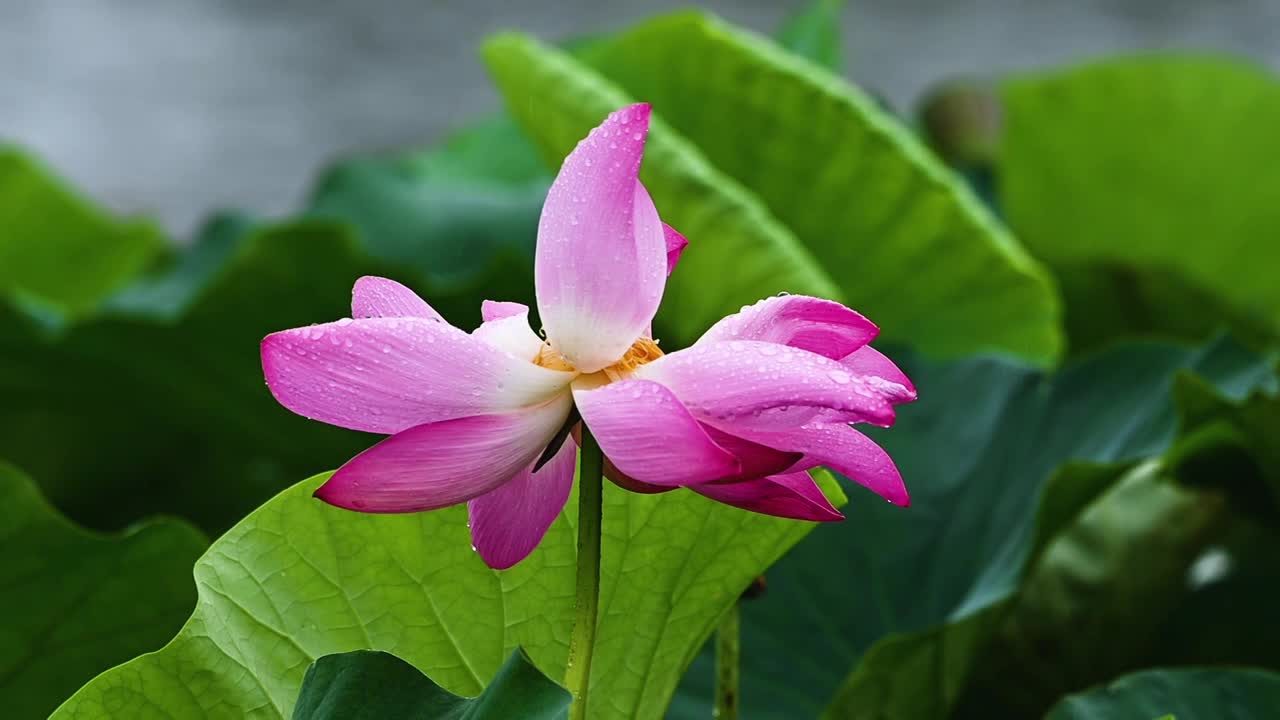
(174, 107)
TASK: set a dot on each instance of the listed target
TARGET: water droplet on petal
(839, 376)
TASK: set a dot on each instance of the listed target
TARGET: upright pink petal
(374, 297)
(385, 375)
(508, 522)
(444, 463)
(824, 327)
(601, 257)
(793, 495)
(648, 435)
(762, 384)
(506, 326)
(843, 449)
(676, 243)
(882, 373)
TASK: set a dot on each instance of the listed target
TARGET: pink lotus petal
(757, 460)
(676, 243)
(626, 482)
(507, 523)
(506, 327)
(820, 326)
(601, 256)
(648, 435)
(844, 450)
(491, 310)
(620, 478)
(882, 373)
(793, 495)
(444, 463)
(764, 385)
(374, 297)
(385, 375)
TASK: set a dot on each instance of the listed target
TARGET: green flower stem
(727, 652)
(587, 604)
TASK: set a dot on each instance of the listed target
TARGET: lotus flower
(739, 417)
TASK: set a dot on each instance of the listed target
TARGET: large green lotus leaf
(1229, 617)
(1109, 591)
(813, 32)
(739, 252)
(904, 239)
(369, 685)
(1155, 182)
(1184, 694)
(877, 592)
(76, 603)
(1097, 597)
(298, 579)
(58, 249)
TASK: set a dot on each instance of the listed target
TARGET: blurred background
(1087, 440)
(173, 107)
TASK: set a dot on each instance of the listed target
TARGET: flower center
(644, 351)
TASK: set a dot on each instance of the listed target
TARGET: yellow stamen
(644, 351)
(552, 360)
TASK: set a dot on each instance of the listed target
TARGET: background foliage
(1052, 256)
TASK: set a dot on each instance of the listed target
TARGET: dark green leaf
(908, 596)
(455, 215)
(139, 410)
(367, 685)
(76, 603)
(1096, 599)
(1187, 694)
(1249, 428)
(159, 389)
